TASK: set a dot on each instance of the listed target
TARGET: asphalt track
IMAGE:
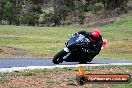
(20, 64)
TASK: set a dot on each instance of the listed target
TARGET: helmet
(95, 33)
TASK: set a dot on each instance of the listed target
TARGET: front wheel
(58, 58)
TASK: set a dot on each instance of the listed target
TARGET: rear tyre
(89, 60)
(58, 58)
(82, 62)
(85, 61)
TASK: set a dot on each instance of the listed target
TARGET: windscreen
(77, 38)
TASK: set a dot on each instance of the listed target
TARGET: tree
(9, 12)
(113, 4)
(1, 14)
(30, 12)
(56, 12)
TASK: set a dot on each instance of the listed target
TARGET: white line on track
(17, 69)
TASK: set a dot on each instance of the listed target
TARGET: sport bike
(76, 50)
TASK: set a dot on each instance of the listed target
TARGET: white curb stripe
(3, 70)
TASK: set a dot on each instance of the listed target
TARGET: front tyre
(58, 58)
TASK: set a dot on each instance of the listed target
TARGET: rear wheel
(58, 58)
(89, 60)
(82, 62)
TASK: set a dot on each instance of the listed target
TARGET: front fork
(68, 51)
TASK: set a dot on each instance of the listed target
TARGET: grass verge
(60, 77)
(47, 41)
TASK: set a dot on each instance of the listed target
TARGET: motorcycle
(75, 51)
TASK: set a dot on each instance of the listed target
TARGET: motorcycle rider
(82, 47)
(95, 43)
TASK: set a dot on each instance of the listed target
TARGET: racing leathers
(94, 45)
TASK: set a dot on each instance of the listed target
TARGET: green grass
(40, 41)
(47, 41)
(125, 23)
(47, 74)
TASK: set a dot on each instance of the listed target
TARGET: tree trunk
(10, 22)
(0, 21)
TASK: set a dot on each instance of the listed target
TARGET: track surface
(22, 62)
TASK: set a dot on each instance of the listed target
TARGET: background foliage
(58, 12)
